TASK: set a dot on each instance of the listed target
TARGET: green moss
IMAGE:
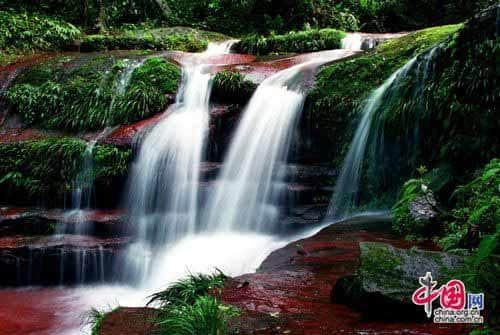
(378, 263)
(302, 41)
(232, 87)
(46, 168)
(85, 93)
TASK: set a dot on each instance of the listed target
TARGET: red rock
(296, 288)
(130, 321)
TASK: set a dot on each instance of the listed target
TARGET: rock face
(58, 259)
(387, 278)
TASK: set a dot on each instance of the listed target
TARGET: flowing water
(246, 195)
(347, 186)
(163, 188)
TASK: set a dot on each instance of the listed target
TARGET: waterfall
(352, 41)
(163, 187)
(347, 185)
(246, 193)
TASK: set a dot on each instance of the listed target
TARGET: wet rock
(306, 215)
(130, 321)
(423, 208)
(58, 259)
(34, 221)
(223, 121)
(387, 277)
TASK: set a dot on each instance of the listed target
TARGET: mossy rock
(332, 106)
(46, 169)
(302, 41)
(232, 87)
(90, 92)
(387, 277)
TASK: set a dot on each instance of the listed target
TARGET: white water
(352, 41)
(163, 189)
(246, 195)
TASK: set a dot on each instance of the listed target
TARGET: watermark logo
(455, 308)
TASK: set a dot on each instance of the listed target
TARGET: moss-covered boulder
(387, 277)
(46, 169)
(232, 87)
(92, 92)
(302, 41)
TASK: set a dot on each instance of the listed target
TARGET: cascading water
(347, 185)
(247, 191)
(163, 189)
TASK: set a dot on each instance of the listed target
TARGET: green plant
(32, 31)
(477, 209)
(187, 308)
(205, 316)
(302, 41)
(232, 87)
(187, 290)
(480, 273)
(46, 168)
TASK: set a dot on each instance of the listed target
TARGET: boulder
(387, 277)
(423, 208)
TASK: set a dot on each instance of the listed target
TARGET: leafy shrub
(303, 41)
(232, 87)
(90, 96)
(26, 31)
(46, 168)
